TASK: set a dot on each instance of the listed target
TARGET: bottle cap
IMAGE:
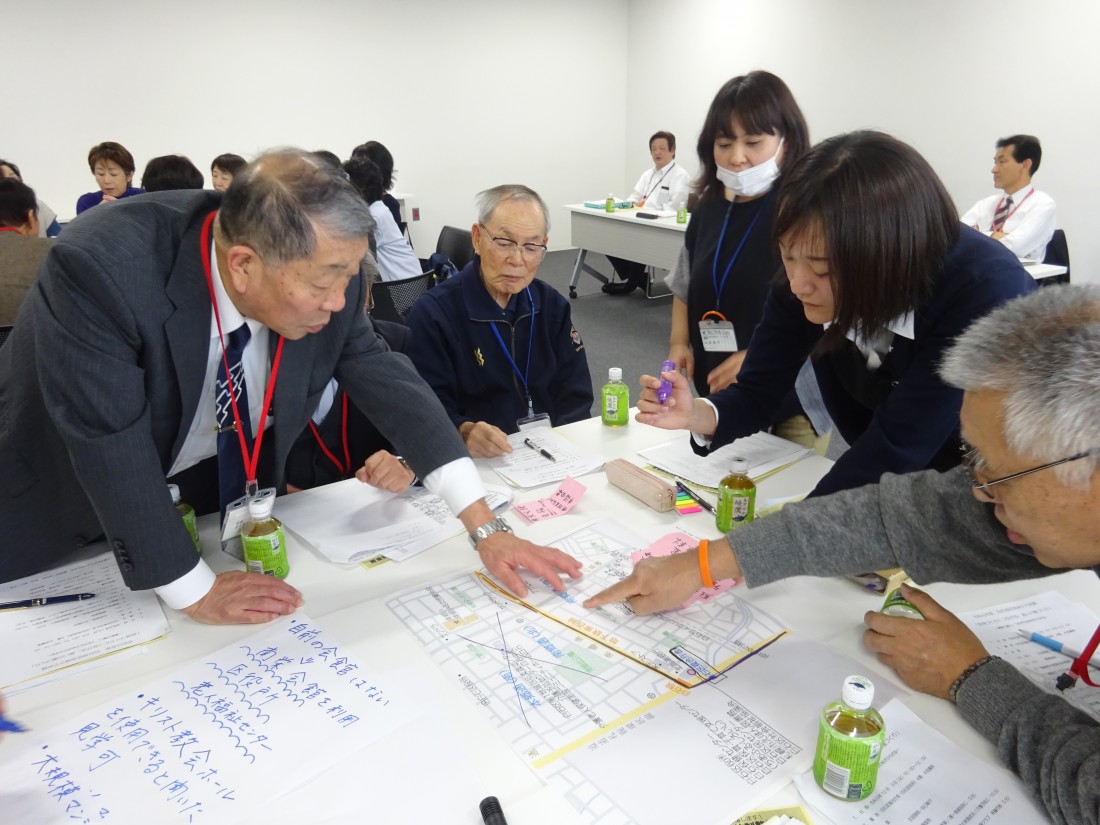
(175, 492)
(740, 465)
(260, 508)
(858, 692)
(615, 374)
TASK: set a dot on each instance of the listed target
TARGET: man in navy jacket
(497, 345)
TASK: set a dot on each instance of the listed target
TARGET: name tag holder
(717, 333)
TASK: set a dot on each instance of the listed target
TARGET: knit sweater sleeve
(1052, 746)
(926, 522)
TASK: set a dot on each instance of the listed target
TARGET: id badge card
(533, 422)
(717, 335)
(236, 514)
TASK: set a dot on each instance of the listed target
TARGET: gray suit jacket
(101, 378)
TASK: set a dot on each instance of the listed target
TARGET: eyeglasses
(973, 462)
(506, 246)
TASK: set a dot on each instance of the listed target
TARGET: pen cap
(174, 491)
(260, 508)
(668, 366)
(613, 374)
(858, 692)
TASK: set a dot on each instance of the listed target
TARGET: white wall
(466, 95)
(949, 77)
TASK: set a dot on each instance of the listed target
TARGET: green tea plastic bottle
(187, 513)
(609, 204)
(736, 498)
(264, 541)
(615, 400)
(681, 213)
(849, 742)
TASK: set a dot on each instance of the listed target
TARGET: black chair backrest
(394, 299)
(1057, 253)
(4, 333)
(457, 244)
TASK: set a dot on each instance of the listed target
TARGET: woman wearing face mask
(880, 279)
(753, 129)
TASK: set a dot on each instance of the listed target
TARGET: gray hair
(490, 199)
(281, 198)
(1043, 352)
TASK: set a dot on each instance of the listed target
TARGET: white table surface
(350, 603)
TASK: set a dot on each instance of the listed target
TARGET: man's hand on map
(666, 582)
(503, 554)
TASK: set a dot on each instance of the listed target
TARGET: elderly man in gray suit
(108, 383)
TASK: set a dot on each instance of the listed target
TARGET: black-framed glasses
(506, 246)
(974, 463)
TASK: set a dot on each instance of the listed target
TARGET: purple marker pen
(664, 392)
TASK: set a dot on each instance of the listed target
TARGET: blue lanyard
(718, 287)
(530, 345)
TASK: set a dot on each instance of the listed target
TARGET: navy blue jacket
(918, 421)
(454, 349)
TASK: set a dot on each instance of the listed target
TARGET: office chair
(4, 333)
(1057, 253)
(457, 244)
(394, 299)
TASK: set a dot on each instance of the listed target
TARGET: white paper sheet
(926, 778)
(210, 742)
(764, 452)
(1053, 615)
(349, 521)
(527, 467)
(43, 640)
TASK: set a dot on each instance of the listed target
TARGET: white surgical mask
(756, 180)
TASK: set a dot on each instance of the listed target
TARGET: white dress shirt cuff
(457, 483)
(699, 438)
(188, 588)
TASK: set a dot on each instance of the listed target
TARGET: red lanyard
(250, 463)
(345, 467)
(1001, 228)
(9, 229)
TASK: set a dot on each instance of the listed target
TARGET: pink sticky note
(670, 545)
(560, 502)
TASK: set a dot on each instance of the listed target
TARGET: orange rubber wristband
(704, 563)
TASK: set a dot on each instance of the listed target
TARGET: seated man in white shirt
(665, 186)
(1022, 218)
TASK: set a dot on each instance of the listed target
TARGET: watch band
(497, 525)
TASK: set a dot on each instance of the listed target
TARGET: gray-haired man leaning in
(109, 385)
(1026, 503)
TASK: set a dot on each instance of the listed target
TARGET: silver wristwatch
(497, 525)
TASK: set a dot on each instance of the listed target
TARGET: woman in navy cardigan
(880, 278)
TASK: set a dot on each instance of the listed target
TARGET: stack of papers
(529, 466)
(44, 643)
(765, 453)
(620, 203)
(349, 521)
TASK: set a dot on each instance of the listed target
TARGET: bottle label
(266, 554)
(735, 507)
(844, 766)
(192, 528)
(897, 605)
(616, 405)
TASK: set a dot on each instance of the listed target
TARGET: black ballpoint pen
(538, 449)
(694, 496)
(45, 600)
